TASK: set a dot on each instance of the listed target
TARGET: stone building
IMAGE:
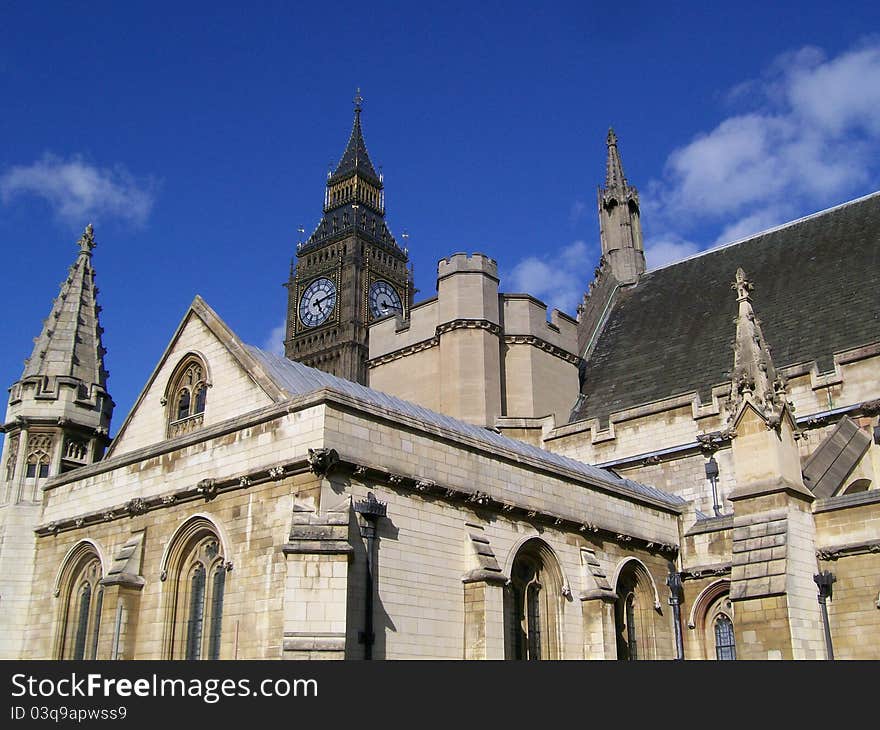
(662, 476)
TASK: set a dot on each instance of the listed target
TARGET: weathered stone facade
(471, 503)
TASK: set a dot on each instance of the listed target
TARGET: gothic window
(188, 395)
(82, 600)
(533, 604)
(724, 642)
(634, 612)
(37, 461)
(632, 629)
(197, 579)
(712, 616)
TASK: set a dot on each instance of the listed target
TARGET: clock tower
(349, 272)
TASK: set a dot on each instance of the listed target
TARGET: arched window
(186, 396)
(533, 603)
(712, 617)
(634, 612)
(197, 580)
(724, 642)
(80, 609)
(39, 454)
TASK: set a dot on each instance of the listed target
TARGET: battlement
(526, 316)
(475, 263)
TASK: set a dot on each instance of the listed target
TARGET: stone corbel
(321, 461)
(207, 488)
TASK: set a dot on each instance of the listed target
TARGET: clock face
(317, 302)
(384, 299)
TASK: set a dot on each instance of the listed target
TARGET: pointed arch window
(725, 647)
(631, 627)
(39, 454)
(188, 395)
(634, 612)
(712, 617)
(198, 582)
(82, 602)
(533, 604)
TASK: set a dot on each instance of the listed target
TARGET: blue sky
(196, 137)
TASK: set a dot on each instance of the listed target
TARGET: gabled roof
(237, 350)
(816, 289)
(298, 379)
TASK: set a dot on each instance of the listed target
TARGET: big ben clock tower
(349, 272)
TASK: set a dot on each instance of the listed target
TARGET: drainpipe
(823, 581)
(371, 509)
(673, 580)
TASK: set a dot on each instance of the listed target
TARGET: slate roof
(69, 344)
(816, 293)
(298, 379)
(355, 158)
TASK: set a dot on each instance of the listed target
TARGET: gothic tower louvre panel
(350, 272)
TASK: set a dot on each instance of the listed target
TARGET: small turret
(619, 222)
(61, 402)
(57, 419)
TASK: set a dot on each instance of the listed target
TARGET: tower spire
(355, 159)
(355, 196)
(57, 419)
(339, 291)
(619, 219)
(614, 177)
(69, 344)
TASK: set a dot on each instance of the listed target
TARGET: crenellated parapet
(475, 353)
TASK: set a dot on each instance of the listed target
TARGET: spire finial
(358, 101)
(742, 286)
(86, 241)
(614, 177)
(754, 376)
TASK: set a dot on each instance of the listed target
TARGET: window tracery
(197, 578)
(189, 393)
(634, 612)
(39, 454)
(83, 598)
(533, 598)
(725, 645)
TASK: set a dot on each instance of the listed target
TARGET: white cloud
(750, 224)
(841, 94)
(668, 249)
(806, 135)
(275, 341)
(559, 279)
(578, 209)
(79, 192)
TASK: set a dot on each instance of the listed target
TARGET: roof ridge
(767, 231)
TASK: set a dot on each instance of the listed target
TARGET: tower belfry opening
(349, 272)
